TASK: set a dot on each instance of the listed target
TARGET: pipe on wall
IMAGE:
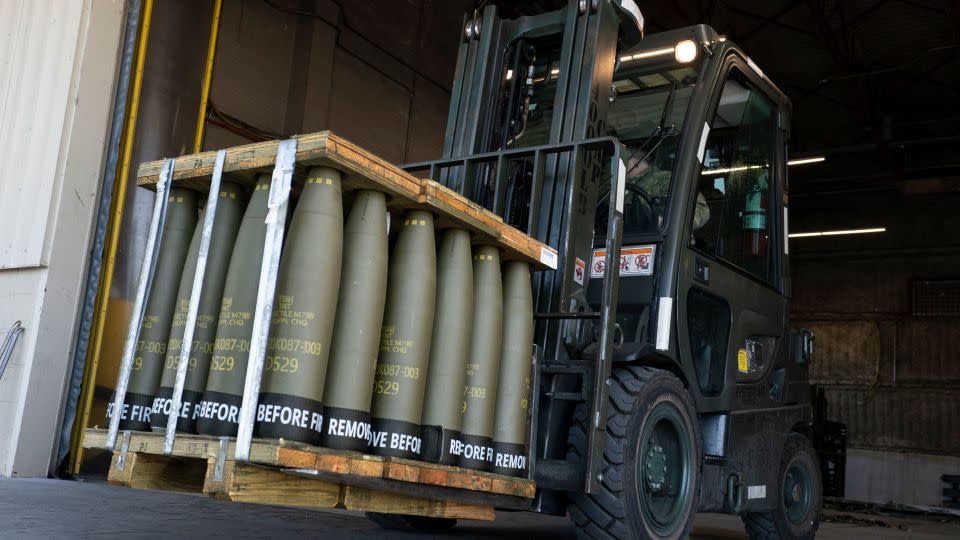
(134, 42)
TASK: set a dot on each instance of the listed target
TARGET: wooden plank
(185, 445)
(253, 484)
(367, 500)
(148, 471)
(505, 485)
(362, 170)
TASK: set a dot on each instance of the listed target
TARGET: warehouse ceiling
(874, 83)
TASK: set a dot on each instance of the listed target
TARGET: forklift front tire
(800, 492)
(651, 460)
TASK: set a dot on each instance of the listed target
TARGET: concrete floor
(38, 508)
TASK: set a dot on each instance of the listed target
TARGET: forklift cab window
(647, 117)
(735, 183)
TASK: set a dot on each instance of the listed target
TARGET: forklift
(666, 380)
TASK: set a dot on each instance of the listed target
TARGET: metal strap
(186, 344)
(276, 218)
(124, 446)
(221, 458)
(139, 305)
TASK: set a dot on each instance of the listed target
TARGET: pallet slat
(362, 170)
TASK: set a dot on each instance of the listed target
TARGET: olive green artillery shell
(295, 366)
(405, 341)
(483, 364)
(217, 413)
(474, 444)
(513, 390)
(151, 348)
(356, 334)
(222, 238)
(443, 401)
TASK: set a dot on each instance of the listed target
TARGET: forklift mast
(537, 160)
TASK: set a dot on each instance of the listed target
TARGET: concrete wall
(57, 71)
(376, 72)
(891, 375)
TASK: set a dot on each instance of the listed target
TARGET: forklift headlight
(686, 51)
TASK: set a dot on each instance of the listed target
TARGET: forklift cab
(704, 150)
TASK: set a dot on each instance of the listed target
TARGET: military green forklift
(666, 379)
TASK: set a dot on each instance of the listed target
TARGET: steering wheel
(648, 209)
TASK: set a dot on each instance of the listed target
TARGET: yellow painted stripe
(207, 76)
(113, 228)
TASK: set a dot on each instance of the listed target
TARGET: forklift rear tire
(797, 515)
(423, 524)
(651, 460)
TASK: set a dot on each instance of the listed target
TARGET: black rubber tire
(774, 525)
(397, 522)
(614, 512)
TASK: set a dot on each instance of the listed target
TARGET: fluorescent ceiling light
(732, 169)
(791, 163)
(804, 161)
(839, 232)
(648, 54)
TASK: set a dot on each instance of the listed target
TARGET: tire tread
(601, 516)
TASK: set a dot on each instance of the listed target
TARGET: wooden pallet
(362, 170)
(294, 474)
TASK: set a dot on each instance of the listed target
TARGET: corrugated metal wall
(891, 376)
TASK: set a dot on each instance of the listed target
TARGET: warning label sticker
(579, 270)
(634, 261)
(743, 365)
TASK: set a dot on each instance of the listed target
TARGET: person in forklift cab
(650, 186)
